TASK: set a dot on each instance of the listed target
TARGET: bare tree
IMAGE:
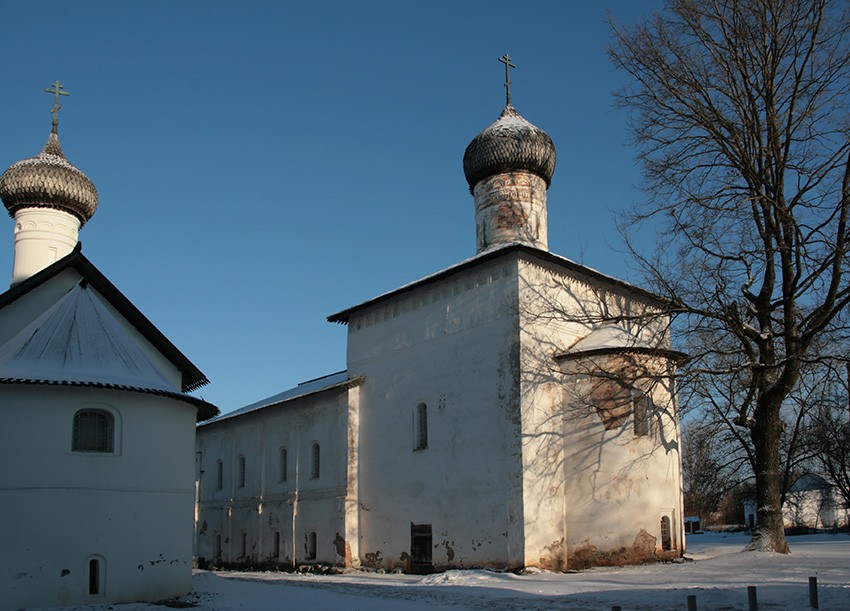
(739, 110)
(830, 433)
(712, 466)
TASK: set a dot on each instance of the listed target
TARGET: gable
(78, 339)
(26, 301)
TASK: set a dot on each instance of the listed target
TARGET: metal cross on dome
(56, 89)
(506, 59)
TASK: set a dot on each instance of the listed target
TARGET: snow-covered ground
(718, 576)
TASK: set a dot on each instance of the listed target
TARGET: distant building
(98, 491)
(516, 409)
(812, 502)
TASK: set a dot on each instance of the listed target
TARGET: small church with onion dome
(98, 494)
(514, 410)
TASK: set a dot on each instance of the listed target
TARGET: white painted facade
(130, 509)
(517, 469)
(42, 237)
(516, 409)
(261, 490)
(92, 525)
(812, 502)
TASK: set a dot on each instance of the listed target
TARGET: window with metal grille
(93, 431)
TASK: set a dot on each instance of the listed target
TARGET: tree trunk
(766, 433)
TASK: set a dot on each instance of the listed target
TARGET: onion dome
(48, 180)
(508, 145)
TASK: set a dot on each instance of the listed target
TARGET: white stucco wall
(268, 505)
(452, 345)
(131, 508)
(591, 495)
(42, 237)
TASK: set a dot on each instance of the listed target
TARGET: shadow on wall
(599, 417)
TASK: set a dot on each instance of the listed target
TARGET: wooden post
(752, 598)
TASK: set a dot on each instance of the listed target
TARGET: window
(276, 550)
(243, 550)
(94, 431)
(666, 534)
(240, 476)
(310, 545)
(283, 464)
(219, 475)
(315, 461)
(96, 566)
(420, 427)
(642, 409)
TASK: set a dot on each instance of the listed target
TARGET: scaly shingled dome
(48, 181)
(509, 144)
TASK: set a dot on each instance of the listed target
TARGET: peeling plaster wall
(267, 504)
(591, 495)
(132, 509)
(452, 345)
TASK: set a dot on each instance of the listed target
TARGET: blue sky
(262, 165)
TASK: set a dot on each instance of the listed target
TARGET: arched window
(93, 431)
(96, 567)
(283, 458)
(315, 461)
(240, 475)
(666, 534)
(420, 427)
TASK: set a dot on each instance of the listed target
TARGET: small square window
(93, 431)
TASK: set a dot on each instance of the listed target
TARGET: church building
(98, 489)
(514, 410)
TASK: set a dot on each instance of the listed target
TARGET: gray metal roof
(339, 379)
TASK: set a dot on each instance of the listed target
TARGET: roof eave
(343, 316)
